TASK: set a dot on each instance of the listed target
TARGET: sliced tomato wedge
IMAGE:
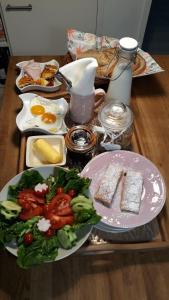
(28, 214)
(58, 199)
(58, 222)
(27, 199)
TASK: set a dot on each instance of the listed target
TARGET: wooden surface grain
(131, 275)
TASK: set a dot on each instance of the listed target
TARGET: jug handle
(99, 97)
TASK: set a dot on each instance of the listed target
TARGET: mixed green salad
(43, 215)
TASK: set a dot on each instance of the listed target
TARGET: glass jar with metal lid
(117, 122)
(80, 142)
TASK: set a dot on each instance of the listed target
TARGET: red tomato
(59, 222)
(65, 211)
(28, 214)
(57, 200)
(60, 190)
(28, 196)
(72, 193)
(64, 208)
(50, 232)
(28, 238)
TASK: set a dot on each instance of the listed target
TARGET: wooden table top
(130, 275)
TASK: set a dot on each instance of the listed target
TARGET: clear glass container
(80, 142)
(117, 121)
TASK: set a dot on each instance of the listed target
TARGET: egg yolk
(37, 110)
(48, 118)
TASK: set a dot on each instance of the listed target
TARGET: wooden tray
(150, 236)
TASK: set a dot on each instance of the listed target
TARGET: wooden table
(129, 275)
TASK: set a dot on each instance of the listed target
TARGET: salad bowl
(82, 232)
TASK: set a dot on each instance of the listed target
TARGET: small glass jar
(80, 142)
(117, 121)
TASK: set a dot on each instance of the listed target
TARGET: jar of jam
(80, 142)
(117, 122)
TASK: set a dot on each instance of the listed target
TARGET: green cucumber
(81, 206)
(81, 199)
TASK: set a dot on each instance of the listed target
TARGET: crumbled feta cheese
(41, 187)
(43, 224)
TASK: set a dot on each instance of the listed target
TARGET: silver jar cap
(115, 116)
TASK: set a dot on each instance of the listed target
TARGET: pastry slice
(131, 192)
(24, 81)
(108, 184)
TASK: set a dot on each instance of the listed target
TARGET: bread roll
(107, 60)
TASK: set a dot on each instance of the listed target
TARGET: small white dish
(26, 121)
(33, 87)
(57, 142)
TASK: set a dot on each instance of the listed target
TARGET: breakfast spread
(131, 189)
(34, 74)
(46, 152)
(107, 60)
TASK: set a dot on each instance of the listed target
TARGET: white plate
(62, 253)
(57, 142)
(25, 121)
(153, 195)
(33, 87)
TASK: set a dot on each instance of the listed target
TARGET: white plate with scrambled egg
(41, 114)
(38, 76)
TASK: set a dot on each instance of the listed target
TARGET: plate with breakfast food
(104, 49)
(127, 189)
(41, 114)
(38, 76)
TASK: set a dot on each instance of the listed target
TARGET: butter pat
(46, 152)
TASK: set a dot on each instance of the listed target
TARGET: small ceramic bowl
(57, 142)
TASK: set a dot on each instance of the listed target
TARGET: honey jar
(117, 122)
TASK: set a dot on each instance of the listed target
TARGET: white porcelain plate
(62, 253)
(26, 121)
(33, 87)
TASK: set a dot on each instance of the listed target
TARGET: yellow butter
(46, 152)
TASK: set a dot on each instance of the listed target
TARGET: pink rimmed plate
(153, 195)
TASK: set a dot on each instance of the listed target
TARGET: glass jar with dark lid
(117, 121)
(80, 142)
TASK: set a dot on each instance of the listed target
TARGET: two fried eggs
(45, 114)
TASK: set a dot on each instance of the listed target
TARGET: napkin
(82, 75)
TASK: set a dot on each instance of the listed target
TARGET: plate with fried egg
(41, 114)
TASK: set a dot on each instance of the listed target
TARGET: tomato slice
(28, 214)
(58, 222)
(55, 202)
(72, 192)
(27, 199)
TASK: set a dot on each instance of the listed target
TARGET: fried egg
(44, 114)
